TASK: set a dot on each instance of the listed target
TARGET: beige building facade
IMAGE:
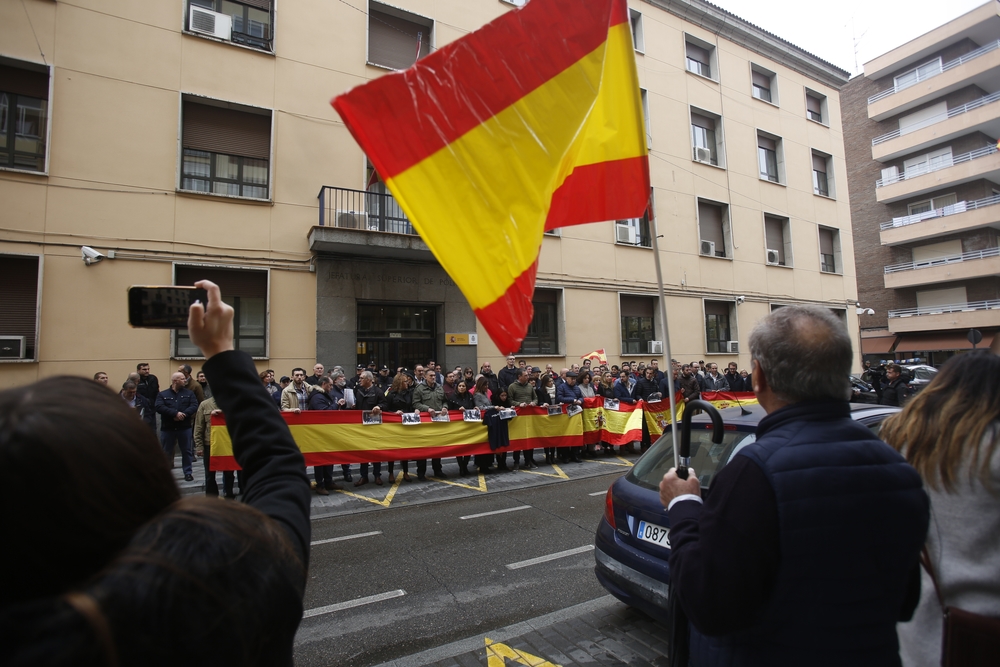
(195, 138)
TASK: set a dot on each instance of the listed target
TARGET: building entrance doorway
(396, 335)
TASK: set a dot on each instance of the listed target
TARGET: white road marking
(346, 537)
(509, 509)
(599, 493)
(545, 559)
(329, 609)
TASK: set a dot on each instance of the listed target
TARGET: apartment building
(921, 130)
(194, 138)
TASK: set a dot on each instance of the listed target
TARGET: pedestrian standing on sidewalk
(177, 406)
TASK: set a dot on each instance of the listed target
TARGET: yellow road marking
(625, 462)
(480, 487)
(383, 503)
(560, 475)
(496, 653)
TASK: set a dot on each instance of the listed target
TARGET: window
(699, 55)
(704, 138)
(922, 164)
(769, 157)
(815, 106)
(942, 297)
(635, 19)
(714, 233)
(829, 250)
(821, 167)
(634, 231)
(637, 323)
(543, 332)
(243, 289)
(918, 74)
(19, 278)
(225, 151)
(763, 84)
(719, 317)
(252, 21)
(933, 204)
(396, 39)
(777, 240)
(24, 95)
(920, 119)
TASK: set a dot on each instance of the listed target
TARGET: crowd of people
(184, 409)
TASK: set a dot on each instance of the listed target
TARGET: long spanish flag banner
(338, 436)
(657, 414)
(530, 123)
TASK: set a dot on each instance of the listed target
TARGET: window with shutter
(821, 182)
(18, 306)
(699, 58)
(23, 117)
(814, 107)
(396, 39)
(829, 240)
(243, 289)
(542, 336)
(767, 158)
(225, 151)
(775, 239)
(718, 331)
(761, 85)
(253, 20)
(713, 221)
(637, 323)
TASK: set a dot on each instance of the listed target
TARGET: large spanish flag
(532, 122)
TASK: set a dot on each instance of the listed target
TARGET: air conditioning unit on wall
(654, 347)
(708, 248)
(211, 23)
(625, 234)
(703, 154)
(772, 257)
(352, 219)
(734, 346)
(12, 347)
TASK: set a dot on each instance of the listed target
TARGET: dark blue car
(633, 538)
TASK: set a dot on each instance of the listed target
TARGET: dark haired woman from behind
(950, 433)
(126, 572)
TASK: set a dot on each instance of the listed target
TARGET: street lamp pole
(862, 311)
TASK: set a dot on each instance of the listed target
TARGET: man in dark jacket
(138, 402)
(177, 406)
(508, 374)
(148, 386)
(898, 388)
(569, 394)
(492, 381)
(645, 388)
(367, 398)
(688, 384)
(322, 400)
(813, 531)
(733, 378)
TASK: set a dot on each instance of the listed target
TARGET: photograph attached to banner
(473, 415)
(574, 410)
(610, 403)
(369, 417)
(410, 418)
(442, 416)
(507, 413)
(555, 410)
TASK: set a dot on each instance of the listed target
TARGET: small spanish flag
(597, 355)
(532, 122)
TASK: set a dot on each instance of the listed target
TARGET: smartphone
(154, 307)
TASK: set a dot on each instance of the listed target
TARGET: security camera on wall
(90, 256)
(740, 299)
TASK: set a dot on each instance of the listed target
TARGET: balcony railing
(941, 261)
(954, 209)
(957, 111)
(937, 166)
(361, 209)
(961, 60)
(970, 306)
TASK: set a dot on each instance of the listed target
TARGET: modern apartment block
(183, 139)
(921, 130)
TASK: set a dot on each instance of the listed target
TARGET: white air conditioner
(703, 154)
(210, 23)
(352, 219)
(772, 257)
(708, 248)
(733, 346)
(654, 347)
(625, 234)
(12, 347)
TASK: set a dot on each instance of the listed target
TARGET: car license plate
(649, 532)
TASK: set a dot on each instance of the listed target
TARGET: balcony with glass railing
(965, 167)
(365, 222)
(975, 116)
(930, 80)
(966, 315)
(963, 266)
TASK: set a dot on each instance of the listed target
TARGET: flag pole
(666, 332)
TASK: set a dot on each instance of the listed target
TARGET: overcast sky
(831, 30)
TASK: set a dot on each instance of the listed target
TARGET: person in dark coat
(814, 530)
(898, 389)
(367, 397)
(322, 400)
(645, 388)
(148, 386)
(508, 374)
(568, 393)
(138, 402)
(177, 406)
(732, 376)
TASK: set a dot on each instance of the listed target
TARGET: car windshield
(707, 458)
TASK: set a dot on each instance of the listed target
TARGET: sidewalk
(599, 632)
(349, 499)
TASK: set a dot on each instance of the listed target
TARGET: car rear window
(707, 458)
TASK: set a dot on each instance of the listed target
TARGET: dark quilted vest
(853, 516)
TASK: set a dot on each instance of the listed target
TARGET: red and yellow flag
(597, 355)
(532, 122)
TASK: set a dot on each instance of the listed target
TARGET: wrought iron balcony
(918, 77)
(362, 210)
